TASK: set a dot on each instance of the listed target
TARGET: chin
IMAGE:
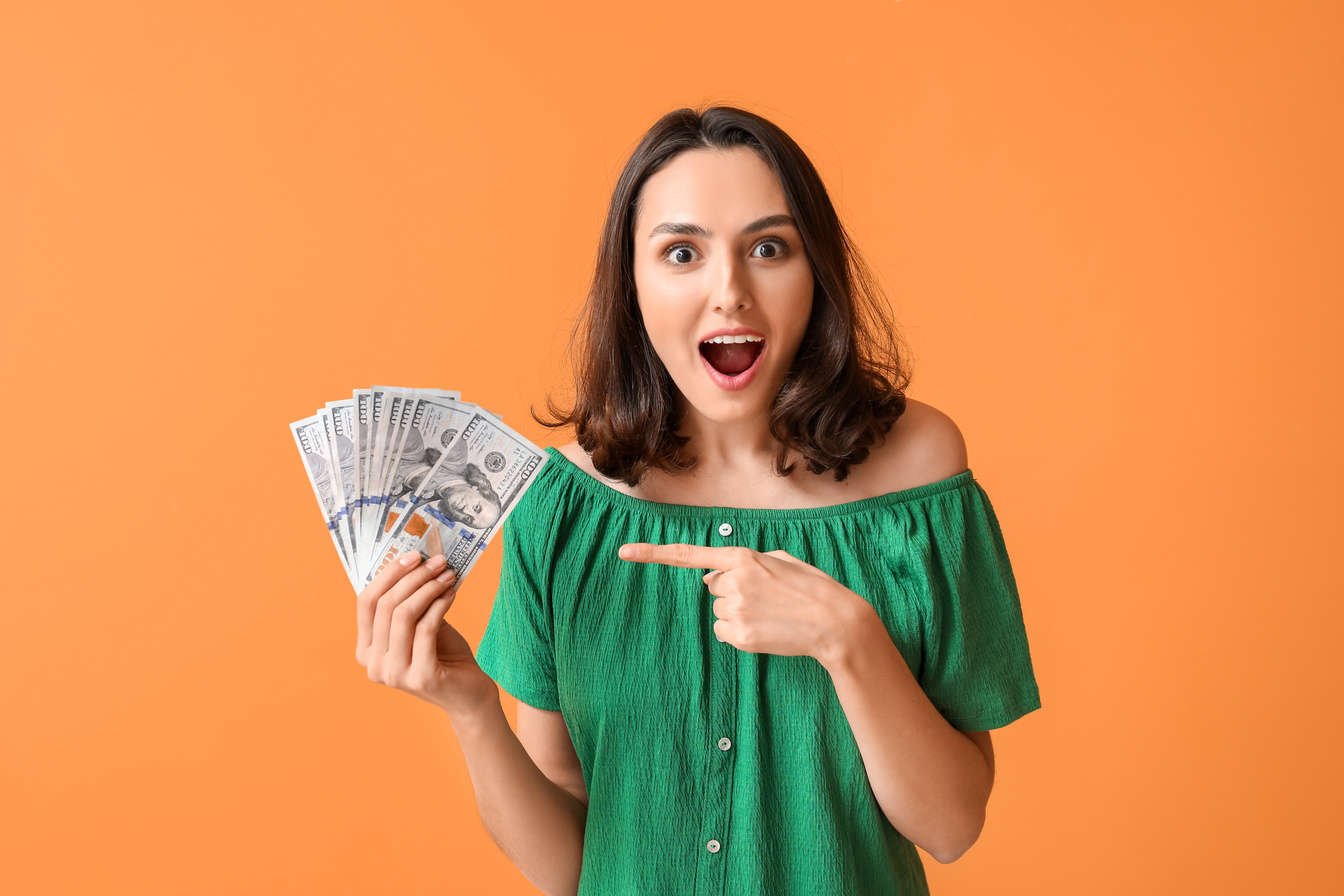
(729, 409)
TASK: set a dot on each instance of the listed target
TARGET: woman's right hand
(404, 642)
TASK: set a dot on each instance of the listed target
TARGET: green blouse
(711, 770)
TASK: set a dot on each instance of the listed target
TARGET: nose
(732, 285)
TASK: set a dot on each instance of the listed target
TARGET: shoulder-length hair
(846, 386)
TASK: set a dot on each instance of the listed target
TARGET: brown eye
(776, 247)
(679, 255)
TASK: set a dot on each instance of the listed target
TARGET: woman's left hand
(766, 603)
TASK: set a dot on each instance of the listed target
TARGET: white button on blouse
(712, 846)
(725, 530)
(724, 743)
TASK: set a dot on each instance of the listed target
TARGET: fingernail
(447, 575)
(410, 558)
(435, 562)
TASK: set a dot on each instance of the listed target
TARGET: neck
(740, 447)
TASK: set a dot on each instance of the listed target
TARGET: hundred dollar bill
(363, 399)
(310, 436)
(398, 408)
(332, 451)
(392, 409)
(460, 502)
(422, 411)
(428, 428)
(390, 403)
(379, 427)
(343, 436)
(399, 427)
(426, 479)
(369, 411)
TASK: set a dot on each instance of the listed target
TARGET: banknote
(332, 451)
(387, 439)
(363, 399)
(457, 505)
(343, 439)
(431, 425)
(378, 430)
(395, 411)
(310, 436)
(396, 469)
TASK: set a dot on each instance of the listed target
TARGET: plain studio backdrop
(1110, 232)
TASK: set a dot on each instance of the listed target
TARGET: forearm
(930, 780)
(536, 823)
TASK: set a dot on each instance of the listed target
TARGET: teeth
(720, 340)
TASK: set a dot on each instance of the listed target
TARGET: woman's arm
(404, 641)
(931, 780)
(536, 823)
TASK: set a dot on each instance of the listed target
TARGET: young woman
(760, 617)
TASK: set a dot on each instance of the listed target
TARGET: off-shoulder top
(711, 770)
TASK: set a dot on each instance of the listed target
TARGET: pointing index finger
(688, 556)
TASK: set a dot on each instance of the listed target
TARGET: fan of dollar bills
(398, 470)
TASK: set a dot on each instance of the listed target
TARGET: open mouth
(731, 355)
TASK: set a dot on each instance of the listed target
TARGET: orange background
(1111, 235)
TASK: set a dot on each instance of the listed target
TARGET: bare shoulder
(577, 456)
(924, 445)
(580, 458)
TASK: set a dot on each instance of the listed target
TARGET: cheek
(800, 306)
(669, 328)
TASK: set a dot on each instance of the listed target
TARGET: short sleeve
(518, 647)
(976, 666)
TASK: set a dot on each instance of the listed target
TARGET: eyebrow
(685, 228)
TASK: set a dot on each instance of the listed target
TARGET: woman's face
(717, 255)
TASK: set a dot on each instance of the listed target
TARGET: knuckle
(386, 580)
(391, 570)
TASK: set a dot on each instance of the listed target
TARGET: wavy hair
(846, 385)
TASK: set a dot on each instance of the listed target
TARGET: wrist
(849, 620)
(477, 708)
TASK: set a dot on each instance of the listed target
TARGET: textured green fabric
(627, 652)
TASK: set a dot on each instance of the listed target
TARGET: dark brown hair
(846, 386)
